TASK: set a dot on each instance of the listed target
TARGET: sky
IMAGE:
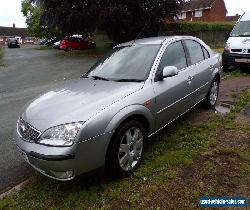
(10, 11)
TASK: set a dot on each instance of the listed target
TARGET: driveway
(28, 72)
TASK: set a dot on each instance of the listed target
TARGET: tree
(33, 14)
(70, 16)
(122, 20)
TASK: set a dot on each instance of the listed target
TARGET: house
(234, 18)
(203, 10)
(21, 34)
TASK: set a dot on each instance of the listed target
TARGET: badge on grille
(244, 50)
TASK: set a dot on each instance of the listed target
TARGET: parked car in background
(76, 43)
(56, 45)
(43, 41)
(237, 50)
(104, 117)
(13, 43)
(50, 41)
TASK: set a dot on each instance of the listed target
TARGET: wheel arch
(140, 113)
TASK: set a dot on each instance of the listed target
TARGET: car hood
(76, 101)
(239, 42)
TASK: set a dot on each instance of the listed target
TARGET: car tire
(68, 49)
(126, 149)
(226, 67)
(213, 94)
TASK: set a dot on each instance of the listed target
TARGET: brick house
(203, 10)
(21, 34)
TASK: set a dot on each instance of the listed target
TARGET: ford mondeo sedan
(104, 118)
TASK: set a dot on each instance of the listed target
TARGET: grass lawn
(1, 56)
(218, 50)
(202, 154)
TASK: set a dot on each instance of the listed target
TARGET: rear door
(173, 93)
(201, 65)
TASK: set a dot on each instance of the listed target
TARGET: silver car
(104, 118)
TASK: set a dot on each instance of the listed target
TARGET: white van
(237, 50)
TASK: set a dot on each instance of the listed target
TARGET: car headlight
(227, 47)
(62, 135)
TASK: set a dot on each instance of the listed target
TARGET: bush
(190, 27)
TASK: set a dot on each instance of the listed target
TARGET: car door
(83, 44)
(201, 65)
(172, 93)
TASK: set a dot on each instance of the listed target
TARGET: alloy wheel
(130, 150)
(214, 93)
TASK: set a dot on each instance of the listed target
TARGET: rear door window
(195, 51)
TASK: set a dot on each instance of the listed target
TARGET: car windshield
(12, 40)
(242, 29)
(126, 63)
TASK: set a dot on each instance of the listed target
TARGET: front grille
(27, 132)
(237, 50)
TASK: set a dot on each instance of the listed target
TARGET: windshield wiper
(129, 80)
(99, 78)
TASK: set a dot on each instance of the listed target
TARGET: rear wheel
(226, 67)
(126, 150)
(213, 94)
(68, 49)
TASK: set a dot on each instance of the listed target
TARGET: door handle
(189, 80)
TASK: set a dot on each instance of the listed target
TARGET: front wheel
(213, 94)
(126, 150)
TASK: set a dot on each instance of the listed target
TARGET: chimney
(14, 25)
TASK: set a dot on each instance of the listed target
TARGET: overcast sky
(10, 11)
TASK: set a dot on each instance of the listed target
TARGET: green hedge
(189, 27)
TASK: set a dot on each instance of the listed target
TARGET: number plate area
(242, 60)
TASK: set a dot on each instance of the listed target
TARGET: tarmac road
(27, 73)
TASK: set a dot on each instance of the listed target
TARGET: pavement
(27, 73)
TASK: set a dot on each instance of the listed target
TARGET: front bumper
(64, 163)
(228, 59)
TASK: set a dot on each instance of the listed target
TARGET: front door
(173, 93)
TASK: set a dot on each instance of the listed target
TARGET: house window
(1, 39)
(183, 15)
(198, 13)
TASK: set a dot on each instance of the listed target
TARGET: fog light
(63, 175)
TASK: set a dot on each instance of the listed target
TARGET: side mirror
(168, 71)
(227, 35)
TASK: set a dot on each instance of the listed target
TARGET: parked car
(104, 117)
(13, 43)
(43, 42)
(76, 43)
(49, 41)
(56, 45)
(237, 50)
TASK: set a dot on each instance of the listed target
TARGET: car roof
(153, 40)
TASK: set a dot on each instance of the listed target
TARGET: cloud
(237, 6)
(10, 12)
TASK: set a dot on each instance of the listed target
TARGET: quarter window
(206, 53)
(174, 56)
(195, 51)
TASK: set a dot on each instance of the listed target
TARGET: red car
(76, 43)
